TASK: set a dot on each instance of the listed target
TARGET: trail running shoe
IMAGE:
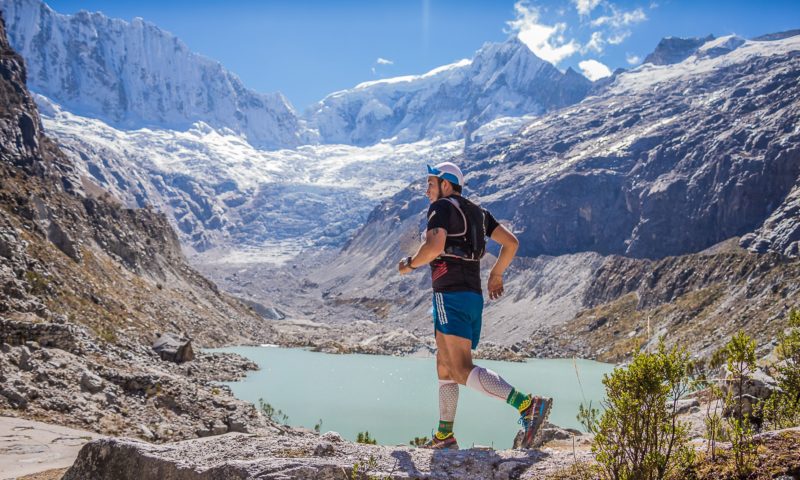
(448, 443)
(532, 419)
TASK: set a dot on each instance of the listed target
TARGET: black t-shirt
(452, 274)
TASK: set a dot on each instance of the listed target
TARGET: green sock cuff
(516, 398)
(445, 427)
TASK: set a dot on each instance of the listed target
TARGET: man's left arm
(508, 248)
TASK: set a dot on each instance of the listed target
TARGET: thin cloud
(619, 19)
(632, 59)
(383, 61)
(596, 43)
(619, 37)
(546, 41)
(585, 7)
(594, 70)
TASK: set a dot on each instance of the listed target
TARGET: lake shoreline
(369, 338)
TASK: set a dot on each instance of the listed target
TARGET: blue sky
(307, 49)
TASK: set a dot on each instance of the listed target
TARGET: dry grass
(778, 455)
(54, 474)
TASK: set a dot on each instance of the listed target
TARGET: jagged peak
(769, 37)
(675, 49)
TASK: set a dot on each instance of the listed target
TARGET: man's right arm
(435, 237)
(428, 251)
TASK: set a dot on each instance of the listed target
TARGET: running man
(455, 241)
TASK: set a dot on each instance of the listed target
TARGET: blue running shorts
(459, 314)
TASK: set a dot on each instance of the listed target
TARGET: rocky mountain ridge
(85, 287)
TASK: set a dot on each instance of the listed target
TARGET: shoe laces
(524, 422)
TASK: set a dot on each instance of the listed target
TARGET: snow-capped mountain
(133, 75)
(502, 80)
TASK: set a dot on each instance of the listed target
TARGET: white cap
(447, 171)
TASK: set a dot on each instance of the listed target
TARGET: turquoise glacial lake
(396, 398)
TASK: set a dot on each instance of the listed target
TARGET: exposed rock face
(675, 50)
(663, 163)
(780, 232)
(777, 36)
(295, 455)
(660, 174)
(697, 301)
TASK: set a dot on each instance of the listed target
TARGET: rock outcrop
(173, 348)
(675, 50)
(297, 455)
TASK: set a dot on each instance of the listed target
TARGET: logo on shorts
(440, 310)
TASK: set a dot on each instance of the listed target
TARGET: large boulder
(757, 387)
(300, 455)
(174, 348)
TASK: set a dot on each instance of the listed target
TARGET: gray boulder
(91, 382)
(758, 385)
(302, 456)
(173, 348)
(25, 359)
(756, 388)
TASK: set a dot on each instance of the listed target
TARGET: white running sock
(489, 383)
(448, 400)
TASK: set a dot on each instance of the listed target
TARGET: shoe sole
(536, 440)
(452, 446)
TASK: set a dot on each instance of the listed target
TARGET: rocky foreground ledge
(301, 455)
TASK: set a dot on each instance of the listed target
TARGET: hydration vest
(469, 245)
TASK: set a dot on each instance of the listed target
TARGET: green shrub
(39, 284)
(363, 468)
(271, 413)
(363, 437)
(715, 431)
(782, 409)
(418, 441)
(740, 361)
(638, 436)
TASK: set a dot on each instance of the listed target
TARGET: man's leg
(459, 360)
(448, 391)
(534, 410)
(443, 439)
